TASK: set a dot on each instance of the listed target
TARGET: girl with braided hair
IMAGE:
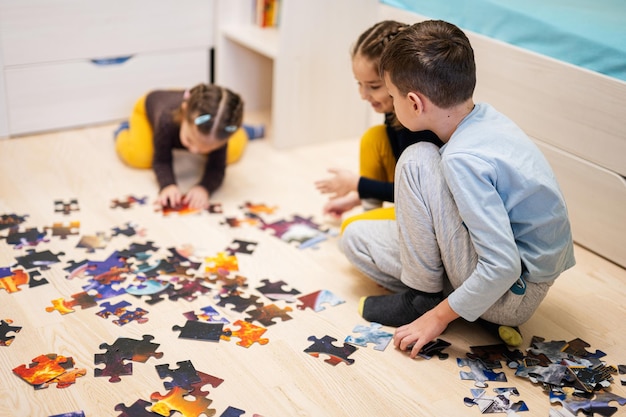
(205, 119)
(381, 145)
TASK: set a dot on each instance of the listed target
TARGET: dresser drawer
(34, 31)
(60, 95)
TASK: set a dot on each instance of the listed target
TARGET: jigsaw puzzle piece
(491, 355)
(66, 207)
(41, 260)
(266, 314)
(370, 334)
(124, 349)
(71, 414)
(434, 348)
(222, 262)
(239, 302)
(336, 354)
(42, 369)
(93, 242)
(5, 329)
(200, 330)
(241, 246)
(11, 220)
(315, 300)
(175, 400)
(137, 409)
(184, 376)
(28, 238)
(12, 280)
(500, 403)
(205, 379)
(479, 372)
(127, 202)
(248, 334)
(208, 314)
(63, 230)
(275, 291)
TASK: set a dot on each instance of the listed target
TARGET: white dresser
(67, 63)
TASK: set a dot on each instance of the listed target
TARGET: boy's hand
(341, 183)
(337, 206)
(424, 329)
(170, 196)
(197, 198)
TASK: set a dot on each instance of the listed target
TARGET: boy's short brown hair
(434, 58)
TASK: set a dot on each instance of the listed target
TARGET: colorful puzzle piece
(239, 302)
(208, 314)
(184, 376)
(11, 220)
(49, 369)
(336, 354)
(64, 230)
(93, 242)
(275, 291)
(248, 334)
(175, 400)
(28, 238)
(221, 263)
(600, 403)
(121, 350)
(370, 334)
(266, 314)
(500, 403)
(128, 202)
(41, 260)
(137, 409)
(479, 372)
(315, 300)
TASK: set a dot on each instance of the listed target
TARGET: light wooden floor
(276, 379)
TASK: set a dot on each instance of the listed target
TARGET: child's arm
(214, 170)
(341, 183)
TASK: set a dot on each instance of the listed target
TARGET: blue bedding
(587, 33)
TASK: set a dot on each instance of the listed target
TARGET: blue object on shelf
(111, 61)
(254, 131)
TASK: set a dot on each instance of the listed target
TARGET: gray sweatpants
(427, 247)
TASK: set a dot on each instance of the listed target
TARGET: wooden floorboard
(275, 379)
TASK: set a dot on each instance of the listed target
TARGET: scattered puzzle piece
(66, 207)
(336, 354)
(370, 334)
(11, 220)
(239, 302)
(137, 409)
(175, 400)
(434, 348)
(184, 376)
(315, 300)
(479, 372)
(500, 403)
(121, 350)
(64, 230)
(28, 238)
(128, 202)
(200, 330)
(241, 246)
(5, 329)
(48, 369)
(248, 334)
(266, 314)
(221, 263)
(93, 242)
(275, 291)
(208, 314)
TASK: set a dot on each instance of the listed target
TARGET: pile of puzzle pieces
(572, 376)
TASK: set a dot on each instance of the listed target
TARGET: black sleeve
(164, 138)
(214, 170)
(380, 190)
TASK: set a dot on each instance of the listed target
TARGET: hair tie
(202, 119)
(230, 129)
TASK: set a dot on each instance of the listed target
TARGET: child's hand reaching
(197, 198)
(170, 196)
(337, 206)
(341, 183)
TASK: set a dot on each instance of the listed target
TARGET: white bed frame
(577, 118)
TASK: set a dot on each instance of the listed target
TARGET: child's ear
(416, 102)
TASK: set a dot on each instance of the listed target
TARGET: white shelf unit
(300, 72)
(67, 63)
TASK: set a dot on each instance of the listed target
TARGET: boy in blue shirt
(481, 228)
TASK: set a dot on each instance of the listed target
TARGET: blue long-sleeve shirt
(511, 204)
